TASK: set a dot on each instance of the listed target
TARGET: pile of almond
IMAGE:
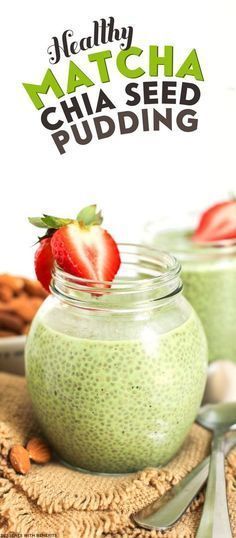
(36, 450)
(20, 299)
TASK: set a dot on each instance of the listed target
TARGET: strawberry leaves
(89, 216)
(48, 221)
(38, 222)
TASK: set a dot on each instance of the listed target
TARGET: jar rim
(158, 278)
(161, 258)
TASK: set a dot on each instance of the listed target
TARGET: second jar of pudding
(116, 373)
(209, 278)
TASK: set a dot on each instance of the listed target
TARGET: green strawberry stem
(87, 217)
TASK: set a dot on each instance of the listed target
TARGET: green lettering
(49, 81)
(100, 58)
(191, 67)
(76, 78)
(156, 60)
(121, 63)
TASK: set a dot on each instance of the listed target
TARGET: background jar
(116, 374)
(209, 279)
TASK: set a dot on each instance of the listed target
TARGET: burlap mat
(53, 500)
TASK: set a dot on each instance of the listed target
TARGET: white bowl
(12, 354)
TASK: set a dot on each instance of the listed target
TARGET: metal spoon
(215, 517)
(163, 513)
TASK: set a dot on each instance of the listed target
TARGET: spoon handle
(215, 517)
(164, 512)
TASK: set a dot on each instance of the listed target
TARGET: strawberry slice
(43, 262)
(88, 252)
(218, 223)
(80, 247)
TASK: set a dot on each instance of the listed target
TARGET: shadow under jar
(209, 279)
(116, 374)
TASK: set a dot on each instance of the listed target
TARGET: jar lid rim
(163, 265)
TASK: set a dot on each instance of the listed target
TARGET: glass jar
(116, 373)
(209, 278)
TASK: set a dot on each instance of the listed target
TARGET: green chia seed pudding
(209, 278)
(117, 391)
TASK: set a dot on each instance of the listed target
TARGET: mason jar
(116, 371)
(209, 278)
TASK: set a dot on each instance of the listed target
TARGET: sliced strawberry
(217, 223)
(43, 262)
(88, 252)
(80, 247)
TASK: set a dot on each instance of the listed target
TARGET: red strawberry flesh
(218, 223)
(87, 252)
(43, 262)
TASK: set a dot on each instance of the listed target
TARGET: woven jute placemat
(53, 500)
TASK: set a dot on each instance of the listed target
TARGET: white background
(133, 178)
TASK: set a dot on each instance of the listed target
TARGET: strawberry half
(80, 247)
(86, 251)
(218, 223)
(43, 262)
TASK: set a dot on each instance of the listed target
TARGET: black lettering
(167, 92)
(98, 126)
(61, 138)
(158, 118)
(184, 100)
(104, 102)
(48, 124)
(78, 137)
(145, 119)
(191, 123)
(68, 110)
(124, 129)
(130, 91)
(148, 93)
(87, 103)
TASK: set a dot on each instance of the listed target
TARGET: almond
(31, 307)
(11, 322)
(26, 328)
(34, 288)
(16, 283)
(38, 450)
(19, 459)
(20, 298)
(6, 293)
(4, 333)
(24, 306)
